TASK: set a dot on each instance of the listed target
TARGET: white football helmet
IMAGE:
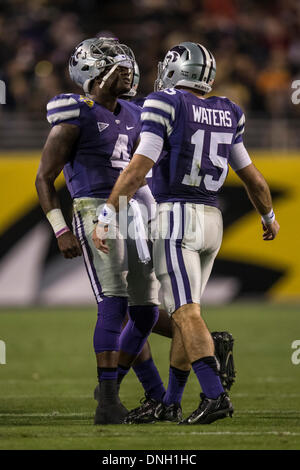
(188, 64)
(92, 56)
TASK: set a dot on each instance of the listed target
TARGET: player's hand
(69, 245)
(270, 230)
(99, 237)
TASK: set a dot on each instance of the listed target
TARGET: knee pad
(111, 314)
(139, 326)
(144, 317)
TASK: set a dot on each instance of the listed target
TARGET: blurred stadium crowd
(256, 45)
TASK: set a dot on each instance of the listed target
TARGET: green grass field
(46, 386)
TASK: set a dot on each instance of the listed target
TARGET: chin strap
(108, 75)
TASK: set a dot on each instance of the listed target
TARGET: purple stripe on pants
(180, 270)
(185, 278)
(88, 258)
(169, 263)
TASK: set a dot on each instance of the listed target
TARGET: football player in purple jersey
(144, 366)
(189, 140)
(92, 139)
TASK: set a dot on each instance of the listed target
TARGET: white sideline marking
(217, 433)
(90, 395)
(87, 413)
(273, 379)
(195, 433)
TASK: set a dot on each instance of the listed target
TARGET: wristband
(57, 222)
(106, 215)
(61, 231)
(268, 218)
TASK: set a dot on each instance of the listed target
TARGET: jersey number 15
(216, 138)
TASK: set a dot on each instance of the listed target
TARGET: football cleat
(113, 413)
(171, 413)
(210, 410)
(224, 353)
(109, 413)
(143, 414)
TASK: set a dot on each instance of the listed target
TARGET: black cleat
(110, 409)
(143, 414)
(210, 410)
(110, 414)
(171, 413)
(223, 342)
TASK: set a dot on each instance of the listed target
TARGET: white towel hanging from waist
(140, 233)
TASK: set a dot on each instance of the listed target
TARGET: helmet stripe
(211, 65)
(207, 64)
(204, 63)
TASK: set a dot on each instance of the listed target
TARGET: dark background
(256, 45)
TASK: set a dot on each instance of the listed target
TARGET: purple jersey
(105, 144)
(198, 136)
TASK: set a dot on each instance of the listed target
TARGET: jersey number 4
(216, 138)
(120, 156)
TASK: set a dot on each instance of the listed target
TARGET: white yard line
(273, 379)
(232, 394)
(216, 433)
(88, 413)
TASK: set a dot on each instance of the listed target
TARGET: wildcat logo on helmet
(172, 56)
(188, 64)
(75, 55)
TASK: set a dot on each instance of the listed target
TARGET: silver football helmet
(135, 82)
(93, 56)
(188, 64)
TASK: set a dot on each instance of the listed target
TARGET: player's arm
(147, 154)
(155, 126)
(130, 179)
(257, 189)
(260, 196)
(128, 182)
(144, 181)
(55, 155)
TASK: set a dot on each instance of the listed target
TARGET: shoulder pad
(162, 102)
(170, 91)
(63, 107)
